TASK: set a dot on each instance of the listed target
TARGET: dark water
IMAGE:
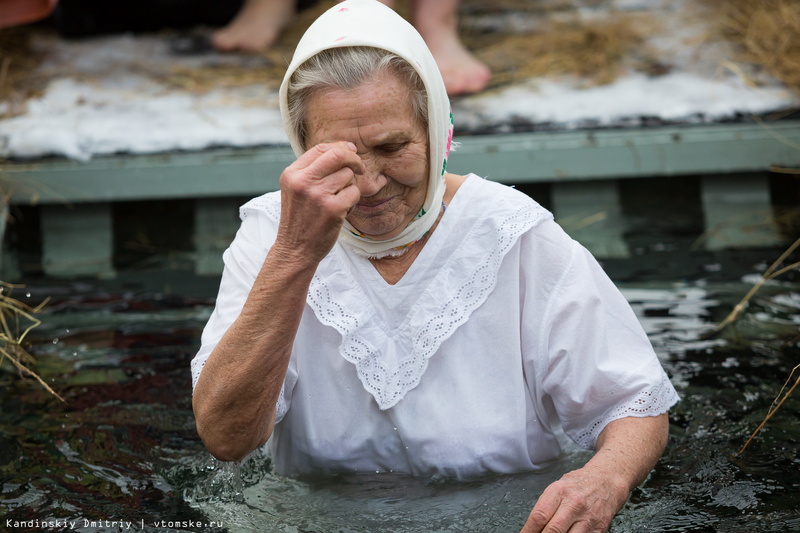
(122, 454)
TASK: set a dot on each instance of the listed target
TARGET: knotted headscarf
(370, 23)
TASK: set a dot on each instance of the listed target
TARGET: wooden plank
(77, 241)
(738, 212)
(591, 213)
(514, 158)
(213, 173)
(633, 153)
(216, 223)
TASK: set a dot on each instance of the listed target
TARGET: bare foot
(437, 22)
(463, 73)
(255, 27)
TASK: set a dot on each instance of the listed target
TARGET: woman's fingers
(576, 503)
(338, 181)
(324, 170)
(324, 159)
(542, 513)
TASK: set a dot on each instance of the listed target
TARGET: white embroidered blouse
(503, 332)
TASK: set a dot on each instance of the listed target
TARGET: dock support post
(215, 224)
(77, 240)
(9, 269)
(738, 212)
(590, 211)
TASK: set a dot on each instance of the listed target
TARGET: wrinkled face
(377, 117)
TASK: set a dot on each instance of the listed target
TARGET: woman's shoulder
(497, 196)
(268, 204)
(516, 216)
(496, 204)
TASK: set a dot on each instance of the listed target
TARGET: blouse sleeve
(591, 360)
(243, 260)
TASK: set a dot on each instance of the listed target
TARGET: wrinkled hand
(317, 192)
(582, 501)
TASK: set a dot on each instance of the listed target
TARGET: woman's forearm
(235, 397)
(631, 447)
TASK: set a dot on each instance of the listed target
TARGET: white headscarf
(370, 23)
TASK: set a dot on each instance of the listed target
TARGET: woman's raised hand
(317, 192)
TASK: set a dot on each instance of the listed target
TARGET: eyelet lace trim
(650, 402)
(270, 203)
(281, 408)
(389, 379)
(196, 366)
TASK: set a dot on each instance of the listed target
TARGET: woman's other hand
(586, 500)
(582, 501)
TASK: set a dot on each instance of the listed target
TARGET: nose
(373, 179)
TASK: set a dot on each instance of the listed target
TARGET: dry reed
(16, 316)
(779, 401)
(775, 270)
(269, 72)
(767, 33)
(597, 52)
(18, 62)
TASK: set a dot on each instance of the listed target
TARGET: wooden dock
(583, 169)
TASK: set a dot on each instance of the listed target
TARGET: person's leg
(437, 22)
(256, 26)
(16, 12)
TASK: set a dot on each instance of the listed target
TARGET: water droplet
(27, 295)
(55, 341)
(67, 330)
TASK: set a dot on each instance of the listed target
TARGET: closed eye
(391, 148)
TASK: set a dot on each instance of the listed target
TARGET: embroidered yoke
(503, 332)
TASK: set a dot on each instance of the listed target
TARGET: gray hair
(348, 68)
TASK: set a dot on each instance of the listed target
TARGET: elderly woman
(381, 314)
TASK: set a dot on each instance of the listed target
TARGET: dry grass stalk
(18, 62)
(203, 79)
(270, 73)
(518, 6)
(776, 405)
(775, 270)
(767, 33)
(597, 51)
(13, 314)
(771, 273)
(784, 170)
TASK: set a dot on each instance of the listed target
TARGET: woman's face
(378, 118)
